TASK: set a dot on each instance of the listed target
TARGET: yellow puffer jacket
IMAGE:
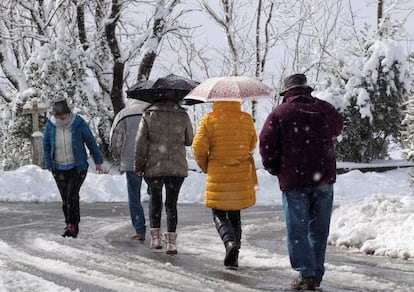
(222, 148)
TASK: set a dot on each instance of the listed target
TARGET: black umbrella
(140, 85)
(170, 87)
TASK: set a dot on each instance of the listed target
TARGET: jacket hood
(138, 105)
(165, 106)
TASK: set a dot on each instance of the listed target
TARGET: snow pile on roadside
(378, 225)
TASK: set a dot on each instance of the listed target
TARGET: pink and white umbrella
(229, 88)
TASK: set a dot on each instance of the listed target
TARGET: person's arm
(117, 140)
(141, 147)
(337, 122)
(90, 142)
(189, 133)
(269, 145)
(47, 147)
(333, 119)
(253, 141)
(201, 145)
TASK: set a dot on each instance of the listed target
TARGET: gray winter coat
(164, 131)
(123, 132)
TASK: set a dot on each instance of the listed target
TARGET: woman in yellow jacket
(223, 148)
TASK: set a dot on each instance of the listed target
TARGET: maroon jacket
(297, 140)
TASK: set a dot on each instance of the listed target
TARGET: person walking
(223, 148)
(297, 145)
(122, 143)
(160, 156)
(64, 140)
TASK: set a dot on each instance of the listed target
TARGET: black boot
(231, 261)
(237, 231)
(226, 232)
(236, 223)
(224, 227)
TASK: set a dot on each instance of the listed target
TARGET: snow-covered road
(33, 257)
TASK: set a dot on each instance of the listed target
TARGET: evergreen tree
(354, 145)
(52, 72)
(15, 145)
(375, 94)
(408, 132)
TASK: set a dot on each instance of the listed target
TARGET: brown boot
(155, 238)
(170, 239)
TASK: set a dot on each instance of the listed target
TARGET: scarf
(66, 123)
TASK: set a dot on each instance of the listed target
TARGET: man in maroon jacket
(297, 145)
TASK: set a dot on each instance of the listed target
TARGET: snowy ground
(373, 222)
(33, 257)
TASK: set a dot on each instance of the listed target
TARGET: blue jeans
(308, 214)
(134, 201)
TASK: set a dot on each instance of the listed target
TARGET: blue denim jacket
(81, 135)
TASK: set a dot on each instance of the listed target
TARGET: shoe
(232, 253)
(171, 241)
(137, 236)
(318, 282)
(155, 238)
(70, 231)
(234, 265)
(65, 232)
(300, 283)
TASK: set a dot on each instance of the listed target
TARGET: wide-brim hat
(295, 81)
(60, 107)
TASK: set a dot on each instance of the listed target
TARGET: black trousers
(172, 189)
(69, 183)
(228, 225)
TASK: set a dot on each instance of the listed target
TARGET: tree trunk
(145, 67)
(118, 69)
(80, 17)
(379, 12)
(147, 62)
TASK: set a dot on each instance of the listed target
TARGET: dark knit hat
(60, 107)
(295, 81)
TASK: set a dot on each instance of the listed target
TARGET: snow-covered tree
(376, 81)
(48, 62)
(408, 133)
(15, 147)
(408, 125)
(86, 51)
(250, 36)
(91, 51)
